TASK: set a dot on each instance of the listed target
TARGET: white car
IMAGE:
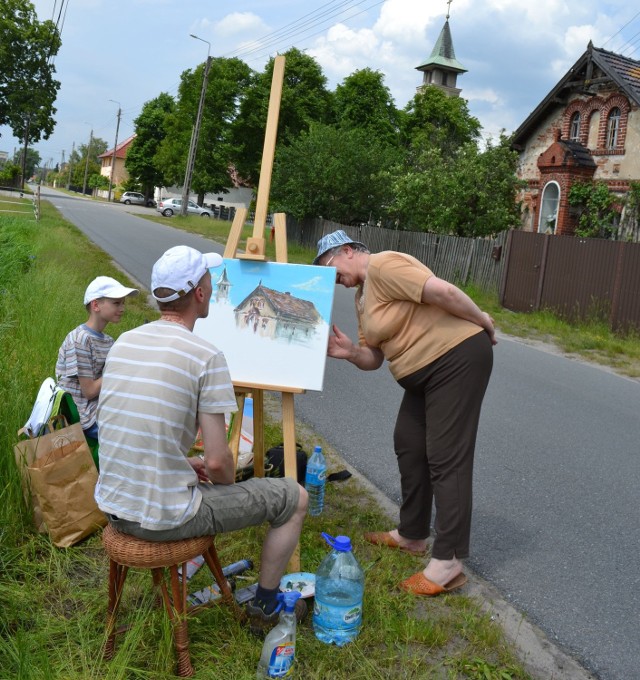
(136, 198)
(172, 206)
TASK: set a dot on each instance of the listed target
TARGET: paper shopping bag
(66, 441)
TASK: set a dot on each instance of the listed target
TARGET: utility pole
(86, 165)
(193, 147)
(115, 146)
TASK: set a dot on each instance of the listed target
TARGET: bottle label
(316, 476)
(337, 617)
(281, 661)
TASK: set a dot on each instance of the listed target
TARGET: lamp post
(115, 146)
(86, 165)
(195, 133)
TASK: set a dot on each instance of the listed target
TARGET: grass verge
(53, 602)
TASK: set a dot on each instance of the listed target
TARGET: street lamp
(86, 165)
(195, 133)
(115, 146)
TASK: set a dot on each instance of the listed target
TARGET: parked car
(170, 206)
(136, 198)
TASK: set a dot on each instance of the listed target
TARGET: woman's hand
(340, 345)
(489, 326)
(364, 357)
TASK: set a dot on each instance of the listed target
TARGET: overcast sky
(131, 50)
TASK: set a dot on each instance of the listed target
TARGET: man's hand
(197, 463)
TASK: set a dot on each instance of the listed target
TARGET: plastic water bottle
(337, 613)
(279, 649)
(315, 481)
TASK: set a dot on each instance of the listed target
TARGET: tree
(472, 193)
(78, 161)
(332, 172)
(442, 121)
(31, 162)
(228, 79)
(28, 89)
(150, 129)
(598, 214)
(363, 101)
(305, 100)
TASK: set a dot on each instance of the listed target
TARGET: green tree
(363, 101)
(80, 167)
(332, 172)
(630, 223)
(28, 89)
(305, 100)
(598, 215)
(433, 118)
(98, 181)
(150, 131)
(31, 162)
(472, 193)
(228, 79)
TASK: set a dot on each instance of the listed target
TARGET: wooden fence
(476, 261)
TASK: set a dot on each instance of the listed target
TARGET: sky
(118, 54)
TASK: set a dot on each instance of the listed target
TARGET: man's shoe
(260, 623)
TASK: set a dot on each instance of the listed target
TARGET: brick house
(586, 129)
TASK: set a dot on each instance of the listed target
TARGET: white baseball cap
(180, 269)
(106, 287)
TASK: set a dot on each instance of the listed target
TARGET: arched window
(574, 127)
(549, 209)
(613, 128)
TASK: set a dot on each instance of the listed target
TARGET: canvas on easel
(272, 320)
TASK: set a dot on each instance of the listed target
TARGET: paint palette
(303, 582)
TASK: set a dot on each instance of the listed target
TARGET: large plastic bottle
(337, 613)
(315, 481)
(279, 649)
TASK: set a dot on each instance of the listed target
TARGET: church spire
(442, 68)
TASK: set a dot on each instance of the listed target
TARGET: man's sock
(266, 599)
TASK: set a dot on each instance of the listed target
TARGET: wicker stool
(127, 551)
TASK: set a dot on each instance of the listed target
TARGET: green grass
(53, 602)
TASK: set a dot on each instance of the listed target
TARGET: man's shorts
(229, 507)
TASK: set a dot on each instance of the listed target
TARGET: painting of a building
(273, 314)
(272, 321)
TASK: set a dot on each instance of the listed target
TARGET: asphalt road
(556, 504)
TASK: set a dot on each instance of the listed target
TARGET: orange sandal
(419, 584)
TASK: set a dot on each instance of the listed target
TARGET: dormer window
(574, 127)
(613, 128)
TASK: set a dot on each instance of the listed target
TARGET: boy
(82, 354)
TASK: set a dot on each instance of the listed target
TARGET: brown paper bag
(59, 476)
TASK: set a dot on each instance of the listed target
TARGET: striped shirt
(82, 355)
(156, 380)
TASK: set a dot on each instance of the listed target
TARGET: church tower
(442, 68)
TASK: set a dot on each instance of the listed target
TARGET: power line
(635, 16)
(275, 38)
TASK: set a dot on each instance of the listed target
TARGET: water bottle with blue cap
(337, 612)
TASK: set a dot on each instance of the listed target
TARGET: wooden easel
(256, 250)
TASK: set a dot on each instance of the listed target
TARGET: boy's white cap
(180, 269)
(105, 286)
